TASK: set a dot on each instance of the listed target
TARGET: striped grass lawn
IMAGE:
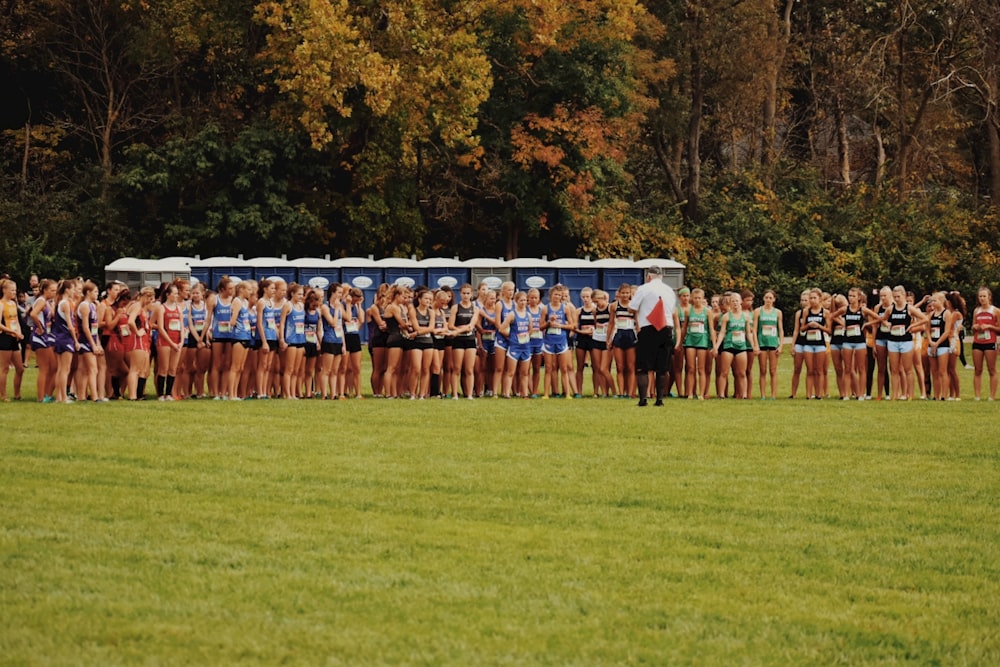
(500, 532)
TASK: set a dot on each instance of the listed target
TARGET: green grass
(500, 532)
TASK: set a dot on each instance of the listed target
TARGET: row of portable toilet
(368, 274)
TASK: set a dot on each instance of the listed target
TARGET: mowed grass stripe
(575, 532)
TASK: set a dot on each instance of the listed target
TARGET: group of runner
(270, 339)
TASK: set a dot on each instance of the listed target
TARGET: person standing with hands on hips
(655, 307)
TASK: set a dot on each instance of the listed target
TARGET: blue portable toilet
(364, 274)
(268, 267)
(614, 272)
(310, 268)
(535, 273)
(217, 267)
(444, 272)
(493, 272)
(576, 274)
(673, 272)
(403, 271)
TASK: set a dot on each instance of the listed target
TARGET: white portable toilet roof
(614, 263)
(662, 263)
(484, 262)
(527, 262)
(312, 263)
(210, 262)
(362, 262)
(398, 262)
(571, 263)
(268, 261)
(439, 262)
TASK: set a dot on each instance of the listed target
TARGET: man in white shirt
(655, 308)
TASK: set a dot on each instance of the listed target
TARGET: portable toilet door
(615, 272)
(312, 271)
(364, 274)
(403, 271)
(493, 272)
(533, 273)
(175, 268)
(576, 274)
(234, 267)
(267, 267)
(673, 272)
(444, 272)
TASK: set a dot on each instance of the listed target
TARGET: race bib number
(174, 325)
(884, 328)
(935, 333)
(199, 325)
(625, 323)
(537, 335)
(311, 337)
(983, 335)
(814, 334)
(838, 331)
(489, 335)
(769, 330)
(854, 330)
(898, 330)
(352, 327)
(523, 338)
(696, 327)
(739, 337)
(300, 328)
(93, 330)
(124, 331)
(225, 327)
(269, 323)
(554, 331)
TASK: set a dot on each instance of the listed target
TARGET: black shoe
(659, 403)
(643, 403)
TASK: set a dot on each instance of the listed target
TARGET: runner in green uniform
(770, 330)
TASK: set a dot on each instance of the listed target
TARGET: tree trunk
(780, 34)
(24, 159)
(843, 146)
(993, 136)
(694, 119)
(879, 176)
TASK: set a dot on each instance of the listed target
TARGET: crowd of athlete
(271, 339)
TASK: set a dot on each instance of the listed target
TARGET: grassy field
(500, 532)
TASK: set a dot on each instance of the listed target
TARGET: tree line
(764, 143)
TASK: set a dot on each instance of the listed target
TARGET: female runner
(314, 300)
(560, 318)
(623, 342)
(985, 324)
(487, 329)
(440, 366)
(268, 318)
(882, 385)
(839, 327)
(939, 349)
(395, 323)
(170, 324)
(736, 337)
(956, 305)
(770, 329)
(421, 354)
(65, 342)
(464, 318)
(10, 340)
(332, 347)
(537, 312)
(41, 339)
(815, 323)
(137, 343)
(854, 350)
(799, 343)
(604, 384)
(903, 319)
(697, 338)
(377, 334)
(242, 332)
(292, 341)
(585, 338)
(88, 335)
(220, 335)
(197, 354)
(516, 326)
(354, 319)
(106, 320)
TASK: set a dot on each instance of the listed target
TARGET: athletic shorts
(855, 346)
(537, 346)
(490, 346)
(336, 349)
(624, 340)
(733, 351)
(813, 349)
(441, 343)
(584, 342)
(519, 353)
(941, 351)
(501, 344)
(312, 350)
(379, 338)
(394, 340)
(836, 347)
(352, 342)
(985, 347)
(900, 346)
(8, 343)
(555, 348)
(881, 342)
(706, 347)
(420, 344)
(464, 343)
(654, 350)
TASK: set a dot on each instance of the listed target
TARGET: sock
(170, 385)
(116, 387)
(161, 383)
(435, 385)
(140, 389)
(661, 387)
(642, 382)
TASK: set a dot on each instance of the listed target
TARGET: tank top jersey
(882, 332)
(242, 331)
(814, 336)
(311, 323)
(838, 332)
(937, 324)
(61, 328)
(520, 330)
(440, 322)
(854, 321)
(536, 322)
(697, 329)
(423, 321)
(391, 325)
(295, 325)
(899, 322)
(985, 316)
(586, 318)
(504, 311)
(173, 325)
(624, 319)
(198, 315)
(42, 337)
(354, 327)
(252, 318)
(555, 335)
(10, 317)
(272, 318)
(463, 316)
(105, 329)
(736, 332)
(333, 333)
(489, 328)
(767, 328)
(602, 322)
(221, 317)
